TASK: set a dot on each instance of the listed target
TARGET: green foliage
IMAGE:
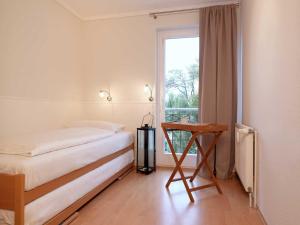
(181, 86)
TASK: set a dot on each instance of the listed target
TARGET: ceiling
(98, 9)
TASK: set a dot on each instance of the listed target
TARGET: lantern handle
(152, 118)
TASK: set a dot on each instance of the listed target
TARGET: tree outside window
(182, 101)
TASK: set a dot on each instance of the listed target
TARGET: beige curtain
(218, 86)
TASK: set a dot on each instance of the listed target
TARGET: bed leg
(19, 203)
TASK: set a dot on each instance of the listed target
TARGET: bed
(47, 185)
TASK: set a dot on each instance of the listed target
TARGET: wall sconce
(146, 89)
(103, 93)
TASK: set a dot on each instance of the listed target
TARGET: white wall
(40, 66)
(121, 55)
(271, 60)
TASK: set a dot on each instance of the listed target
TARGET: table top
(195, 127)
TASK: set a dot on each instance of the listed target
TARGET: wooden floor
(143, 200)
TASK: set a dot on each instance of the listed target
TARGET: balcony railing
(179, 139)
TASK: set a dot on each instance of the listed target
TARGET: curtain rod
(155, 14)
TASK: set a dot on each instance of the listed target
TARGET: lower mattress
(42, 209)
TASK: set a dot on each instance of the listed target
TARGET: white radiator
(245, 159)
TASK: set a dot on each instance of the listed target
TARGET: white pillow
(116, 127)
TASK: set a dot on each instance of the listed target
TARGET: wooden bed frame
(14, 197)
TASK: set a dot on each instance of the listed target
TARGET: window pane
(181, 87)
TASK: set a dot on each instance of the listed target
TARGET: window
(177, 88)
(181, 87)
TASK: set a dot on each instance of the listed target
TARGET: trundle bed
(49, 187)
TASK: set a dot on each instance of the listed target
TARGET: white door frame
(163, 158)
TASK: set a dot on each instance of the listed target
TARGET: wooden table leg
(179, 162)
(201, 150)
(205, 157)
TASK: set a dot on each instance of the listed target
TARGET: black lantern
(146, 148)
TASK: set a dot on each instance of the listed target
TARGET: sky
(181, 52)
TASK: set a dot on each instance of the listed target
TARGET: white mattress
(44, 208)
(49, 141)
(43, 168)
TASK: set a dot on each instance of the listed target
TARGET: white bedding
(43, 168)
(41, 143)
(44, 208)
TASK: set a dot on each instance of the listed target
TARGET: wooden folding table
(196, 130)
